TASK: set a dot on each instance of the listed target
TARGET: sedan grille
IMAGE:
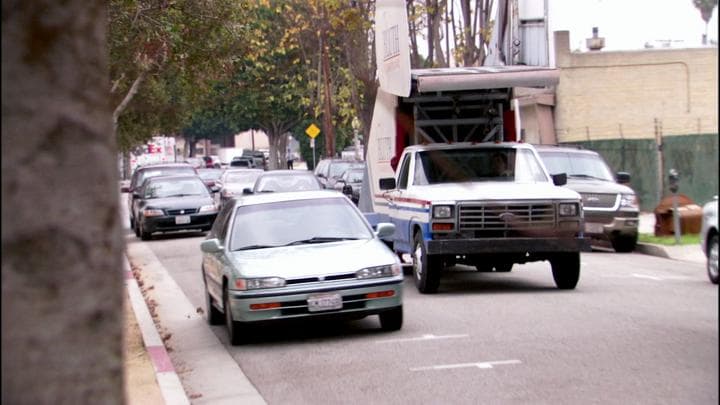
(489, 217)
(185, 211)
(301, 308)
(334, 277)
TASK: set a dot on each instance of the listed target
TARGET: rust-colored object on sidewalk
(690, 216)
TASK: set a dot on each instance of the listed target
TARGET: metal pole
(676, 219)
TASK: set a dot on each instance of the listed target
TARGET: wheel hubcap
(713, 260)
(417, 262)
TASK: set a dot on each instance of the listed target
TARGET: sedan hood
(318, 259)
(493, 191)
(173, 203)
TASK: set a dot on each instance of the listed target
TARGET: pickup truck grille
(594, 200)
(474, 217)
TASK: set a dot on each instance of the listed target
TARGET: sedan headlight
(629, 201)
(568, 209)
(379, 271)
(257, 283)
(152, 212)
(208, 208)
(442, 211)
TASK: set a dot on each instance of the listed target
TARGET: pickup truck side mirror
(559, 179)
(623, 177)
(247, 191)
(388, 183)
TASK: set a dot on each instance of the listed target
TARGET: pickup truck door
(398, 217)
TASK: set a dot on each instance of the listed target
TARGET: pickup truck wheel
(624, 244)
(566, 270)
(712, 259)
(392, 319)
(426, 268)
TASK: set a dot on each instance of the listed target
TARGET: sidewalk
(688, 253)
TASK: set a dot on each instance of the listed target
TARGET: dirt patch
(141, 386)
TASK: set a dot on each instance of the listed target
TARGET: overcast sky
(629, 24)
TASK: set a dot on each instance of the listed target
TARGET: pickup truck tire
(426, 268)
(566, 270)
(392, 319)
(624, 243)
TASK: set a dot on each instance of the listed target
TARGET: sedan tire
(712, 259)
(566, 270)
(214, 315)
(144, 235)
(392, 319)
(233, 327)
(426, 268)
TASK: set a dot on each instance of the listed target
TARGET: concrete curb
(653, 250)
(170, 386)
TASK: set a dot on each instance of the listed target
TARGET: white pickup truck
(438, 166)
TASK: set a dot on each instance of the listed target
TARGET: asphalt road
(637, 329)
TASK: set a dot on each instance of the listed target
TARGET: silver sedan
(306, 254)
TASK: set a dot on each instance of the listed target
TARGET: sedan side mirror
(211, 246)
(247, 191)
(623, 177)
(385, 229)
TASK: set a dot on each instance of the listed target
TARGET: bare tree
(706, 8)
(61, 241)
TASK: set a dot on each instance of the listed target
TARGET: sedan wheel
(392, 319)
(712, 262)
(426, 268)
(214, 315)
(143, 234)
(233, 327)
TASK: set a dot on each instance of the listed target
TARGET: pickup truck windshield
(473, 165)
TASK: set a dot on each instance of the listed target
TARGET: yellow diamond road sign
(312, 131)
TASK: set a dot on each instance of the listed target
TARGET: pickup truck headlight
(629, 201)
(379, 271)
(442, 211)
(568, 209)
(257, 283)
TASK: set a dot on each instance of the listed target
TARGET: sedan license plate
(591, 227)
(182, 219)
(324, 302)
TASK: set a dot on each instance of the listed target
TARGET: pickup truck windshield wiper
(252, 247)
(586, 176)
(318, 239)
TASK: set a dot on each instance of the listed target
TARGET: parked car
(234, 181)
(350, 183)
(211, 177)
(709, 238)
(145, 172)
(195, 162)
(329, 170)
(278, 256)
(257, 157)
(284, 181)
(173, 203)
(242, 161)
(610, 206)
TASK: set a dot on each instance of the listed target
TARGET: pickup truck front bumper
(507, 245)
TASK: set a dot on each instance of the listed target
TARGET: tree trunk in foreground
(62, 288)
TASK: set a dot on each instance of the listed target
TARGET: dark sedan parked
(173, 203)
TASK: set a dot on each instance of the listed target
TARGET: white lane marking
(422, 338)
(480, 365)
(646, 276)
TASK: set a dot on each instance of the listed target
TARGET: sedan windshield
(243, 176)
(296, 222)
(580, 165)
(175, 188)
(282, 183)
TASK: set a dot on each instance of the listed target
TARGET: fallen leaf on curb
(199, 310)
(195, 396)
